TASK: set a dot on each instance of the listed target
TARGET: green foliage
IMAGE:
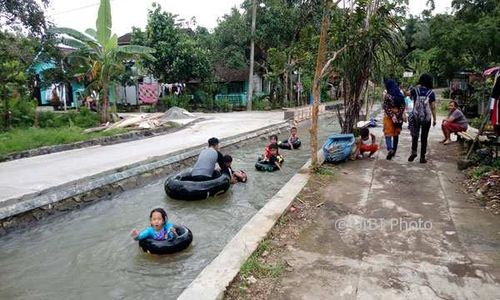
(476, 122)
(445, 94)
(82, 119)
(182, 101)
(179, 56)
(223, 105)
(22, 112)
(452, 43)
(27, 13)
(325, 171)
(104, 58)
(19, 139)
(493, 167)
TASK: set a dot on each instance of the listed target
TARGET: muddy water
(88, 253)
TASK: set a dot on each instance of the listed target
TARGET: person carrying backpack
(424, 111)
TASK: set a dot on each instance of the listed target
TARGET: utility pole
(252, 46)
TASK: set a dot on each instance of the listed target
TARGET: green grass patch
(17, 140)
(253, 266)
(324, 171)
(482, 170)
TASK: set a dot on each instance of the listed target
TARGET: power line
(77, 8)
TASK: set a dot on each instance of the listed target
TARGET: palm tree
(105, 59)
(373, 36)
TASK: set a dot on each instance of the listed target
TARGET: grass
(486, 169)
(17, 140)
(253, 266)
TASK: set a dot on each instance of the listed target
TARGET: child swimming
(160, 228)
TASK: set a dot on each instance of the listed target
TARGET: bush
(224, 105)
(84, 119)
(445, 94)
(22, 112)
(182, 101)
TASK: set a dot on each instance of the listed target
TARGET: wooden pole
(320, 62)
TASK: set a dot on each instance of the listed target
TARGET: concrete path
(396, 230)
(31, 175)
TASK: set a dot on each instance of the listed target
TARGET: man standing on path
(424, 101)
(205, 165)
(456, 122)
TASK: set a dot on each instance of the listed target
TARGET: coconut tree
(104, 58)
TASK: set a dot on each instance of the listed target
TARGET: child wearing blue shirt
(160, 228)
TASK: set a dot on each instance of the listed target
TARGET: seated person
(234, 176)
(292, 138)
(160, 229)
(275, 158)
(456, 122)
(208, 160)
(273, 140)
(366, 143)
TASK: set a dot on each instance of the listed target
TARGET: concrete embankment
(15, 212)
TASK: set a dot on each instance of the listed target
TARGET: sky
(82, 14)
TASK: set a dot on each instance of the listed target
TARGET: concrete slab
(35, 174)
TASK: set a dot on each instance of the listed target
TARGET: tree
(321, 70)
(370, 31)
(105, 59)
(179, 56)
(16, 54)
(27, 13)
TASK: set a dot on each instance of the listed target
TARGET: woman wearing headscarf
(424, 107)
(393, 106)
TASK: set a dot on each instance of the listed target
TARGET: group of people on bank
(416, 107)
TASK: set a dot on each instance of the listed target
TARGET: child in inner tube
(273, 140)
(234, 176)
(275, 158)
(160, 228)
(293, 138)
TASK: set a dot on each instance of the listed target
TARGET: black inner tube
(286, 145)
(182, 186)
(181, 242)
(262, 165)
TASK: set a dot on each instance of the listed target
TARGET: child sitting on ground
(234, 176)
(293, 138)
(366, 143)
(273, 140)
(160, 228)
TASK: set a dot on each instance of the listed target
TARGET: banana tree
(104, 58)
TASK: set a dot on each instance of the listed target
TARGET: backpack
(422, 110)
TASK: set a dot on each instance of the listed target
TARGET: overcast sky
(82, 14)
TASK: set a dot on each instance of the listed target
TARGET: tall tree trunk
(285, 84)
(105, 104)
(7, 109)
(320, 62)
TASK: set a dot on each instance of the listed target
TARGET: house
(234, 85)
